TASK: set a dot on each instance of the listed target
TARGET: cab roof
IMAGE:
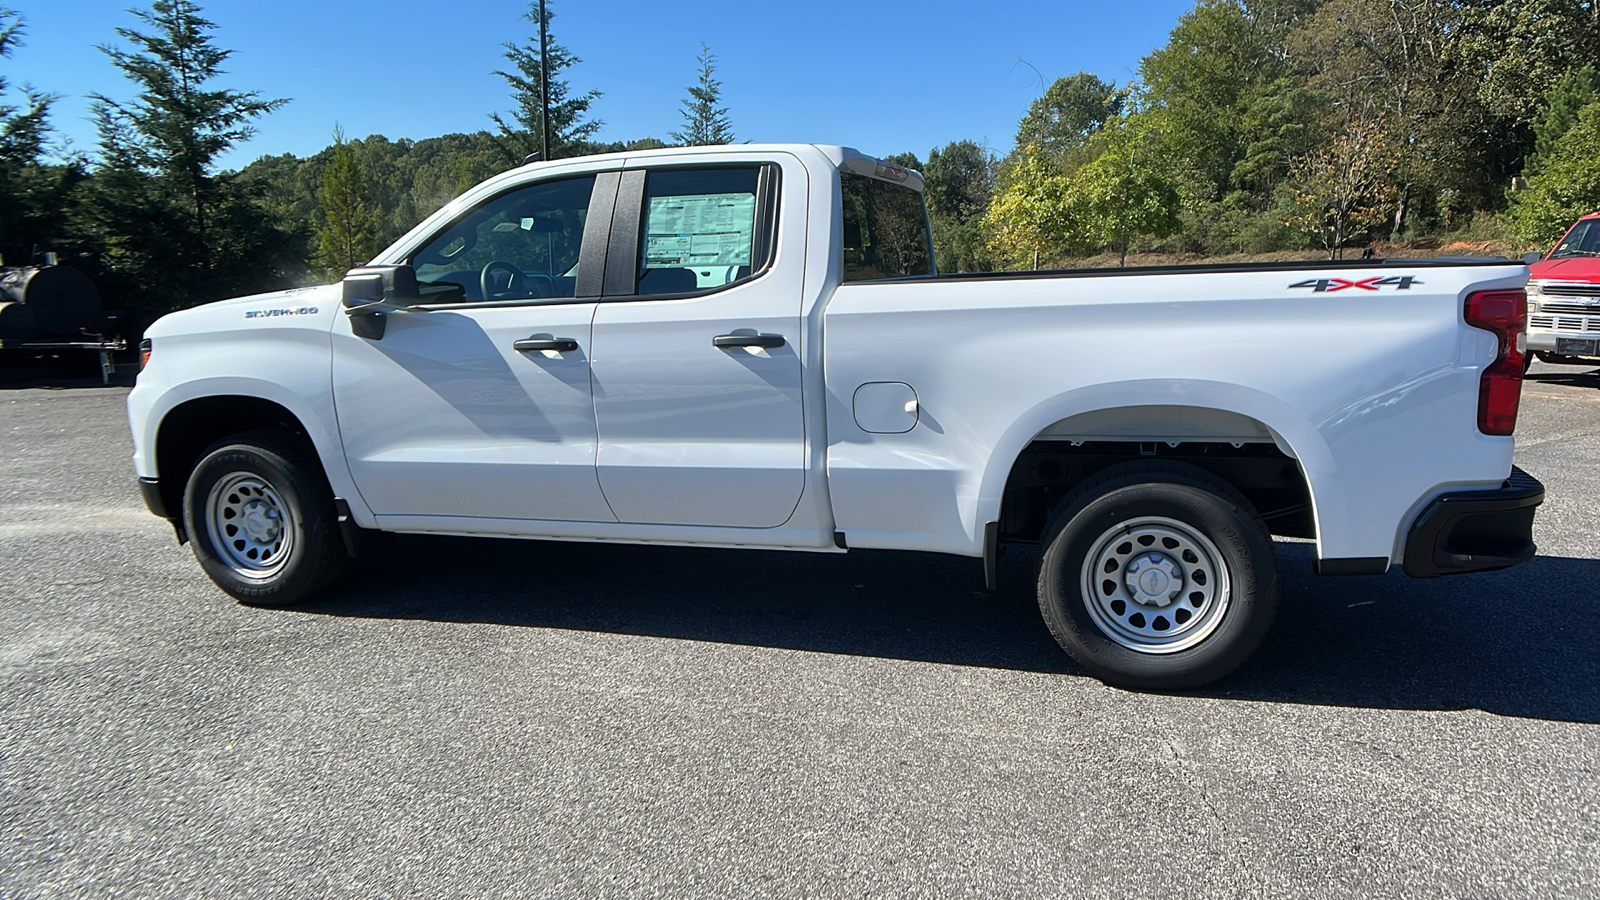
(847, 159)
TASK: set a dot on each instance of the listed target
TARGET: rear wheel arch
(1249, 454)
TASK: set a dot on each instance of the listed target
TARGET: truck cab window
(701, 229)
(885, 230)
(520, 245)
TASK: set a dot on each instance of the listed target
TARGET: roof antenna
(532, 158)
(544, 83)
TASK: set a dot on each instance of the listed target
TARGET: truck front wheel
(261, 519)
(1157, 575)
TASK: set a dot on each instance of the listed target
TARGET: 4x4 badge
(1329, 285)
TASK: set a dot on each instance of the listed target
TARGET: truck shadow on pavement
(1568, 376)
(1517, 643)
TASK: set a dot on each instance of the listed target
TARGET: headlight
(144, 353)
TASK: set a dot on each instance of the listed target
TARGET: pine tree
(22, 129)
(1567, 184)
(176, 128)
(570, 129)
(174, 227)
(704, 121)
(349, 219)
(32, 195)
(1571, 94)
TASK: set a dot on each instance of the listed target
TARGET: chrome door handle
(561, 345)
(764, 341)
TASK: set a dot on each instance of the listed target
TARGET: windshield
(1582, 240)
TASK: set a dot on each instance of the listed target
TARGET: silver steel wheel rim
(1155, 585)
(250, 525)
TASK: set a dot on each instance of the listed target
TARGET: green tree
(1570, 95)
(959, 181)
(704, 120)
(23, 129)
(1515, 51)
(1280, 122)
(1567, 185)
(1218, 88)
(1217, 60)
(170, 223)
(1123, 193)
(348, 218)
(1070, 112)
(1400, 59)
(906, 160)
(570, 126)
(176, 128)
(33, 196)
(1027, 217)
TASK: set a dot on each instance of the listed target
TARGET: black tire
(270, 482)
(1194, 627)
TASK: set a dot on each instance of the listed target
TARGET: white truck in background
(749, 346)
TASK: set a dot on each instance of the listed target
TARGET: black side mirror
(372, 291)
(1532, 256)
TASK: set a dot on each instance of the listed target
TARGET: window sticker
(690, 230)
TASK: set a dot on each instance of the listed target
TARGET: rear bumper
(1475, 531)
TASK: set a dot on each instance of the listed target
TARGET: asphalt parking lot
(496, 719)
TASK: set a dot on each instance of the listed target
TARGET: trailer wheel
(261, 519)
(1157, 575)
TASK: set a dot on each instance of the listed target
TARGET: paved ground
(482, 719)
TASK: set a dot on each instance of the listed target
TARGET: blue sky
(877, 77)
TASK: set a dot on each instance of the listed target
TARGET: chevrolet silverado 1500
(749, 346)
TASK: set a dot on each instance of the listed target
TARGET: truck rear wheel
(1157, 575)
(261, 519)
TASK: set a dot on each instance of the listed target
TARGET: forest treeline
(1260, 127)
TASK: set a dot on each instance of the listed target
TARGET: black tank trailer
(50, 308)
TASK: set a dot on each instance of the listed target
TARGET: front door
(478, 404)
(696, 354)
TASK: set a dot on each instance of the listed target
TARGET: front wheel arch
(188, 429)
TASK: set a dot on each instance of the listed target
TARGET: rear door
(696, 354)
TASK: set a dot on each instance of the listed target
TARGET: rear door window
(701, 229)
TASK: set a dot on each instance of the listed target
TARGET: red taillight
(1505, 313)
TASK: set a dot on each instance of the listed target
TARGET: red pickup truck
(1564, 297)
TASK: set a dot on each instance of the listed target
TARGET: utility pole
(544, 84)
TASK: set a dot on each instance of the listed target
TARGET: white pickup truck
(748, 346)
